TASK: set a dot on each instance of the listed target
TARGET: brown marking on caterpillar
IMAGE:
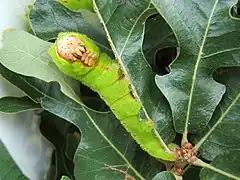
(103, 67)
(73, 49)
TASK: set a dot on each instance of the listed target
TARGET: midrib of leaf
(184, 138)
(95, 125)
(112, 145)
(118, 56)
(222, 172)
(218, 122)
(209, 166)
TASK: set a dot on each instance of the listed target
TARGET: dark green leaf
(225, 166)
(106, 149)
(124, 23)
(8, 169)
(48, 18)
(223, 130)
(164, 176)
(192, 173)
(158, 35)
(208, 38)
(59, 133)
(16, 104)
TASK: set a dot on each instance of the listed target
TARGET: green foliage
(196, 102)
(224, 166)
(204, 47)
(106, 77)
(8, 168)
(16, 105)
(105, 145)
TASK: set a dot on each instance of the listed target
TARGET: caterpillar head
(74, 54)
(72, 48)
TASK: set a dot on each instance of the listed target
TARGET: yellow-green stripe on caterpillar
(78, 57)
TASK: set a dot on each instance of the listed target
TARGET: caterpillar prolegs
(78, 57)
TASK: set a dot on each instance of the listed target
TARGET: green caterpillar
(78, 4)
(78, 57)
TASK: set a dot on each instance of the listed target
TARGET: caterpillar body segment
(105, 73)
(106, 78)
(78, 4)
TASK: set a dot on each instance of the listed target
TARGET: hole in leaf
(159, 44)
(224, 73)
(178, 139)
(192, 173)
(235, 10)
(92, 100)
(163, 58)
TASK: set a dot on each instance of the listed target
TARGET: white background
(20, 132)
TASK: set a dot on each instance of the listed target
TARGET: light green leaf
(25, 54)
(208, 38)
(16, 105)
(125, 36)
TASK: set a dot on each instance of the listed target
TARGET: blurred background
(20, 132)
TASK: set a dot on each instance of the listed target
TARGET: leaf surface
(208, 38)
(223, 167)
(222, 133)
(8, 168)
(16, 105)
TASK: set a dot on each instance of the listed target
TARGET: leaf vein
(218, 122)
(130, 32)
(220, 52)
(195, 73)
